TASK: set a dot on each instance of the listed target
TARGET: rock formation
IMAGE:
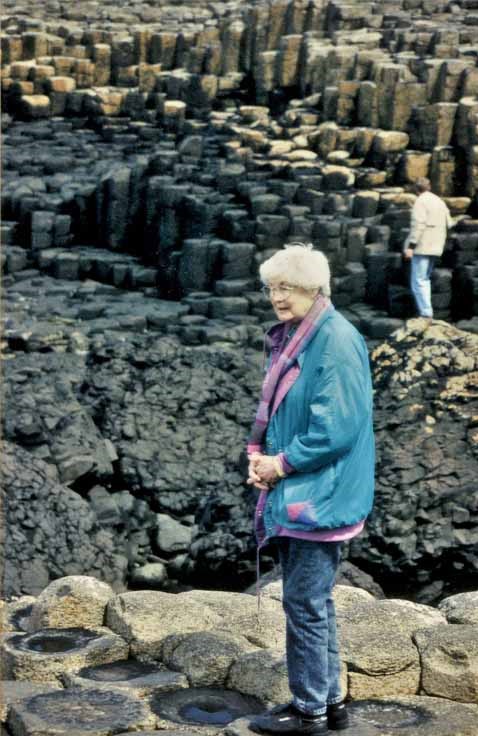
(186, 141)
(147, 401)
(154, 155)
(49, 529)
(203, 661)
(425, 518)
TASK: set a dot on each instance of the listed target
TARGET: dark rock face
(175, 418)
(172, 421)
(424, 526)
(153, 157)
(49, 420)
(50, 530)
(178, 418)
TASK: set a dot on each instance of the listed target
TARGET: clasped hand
(262, 471)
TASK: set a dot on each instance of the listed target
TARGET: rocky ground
(154, 155)
(202, 662)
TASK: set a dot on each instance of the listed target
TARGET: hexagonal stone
(449, 658)
(413, 716)
(402, 716)
(263, 674)
(14, 691)
(76, 600)
(205, 656)
(46, 654)
(376, 643)
(461, 608)
(390, 141)
(203, 706)
(16, 614)
(88, 712)
(142, 678)
(238, 615)
(35, 106)
(146, 617)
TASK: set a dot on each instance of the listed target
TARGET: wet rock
(76, 600)
(208, 707)
(46, 654)
(78, 712)
(14, 691)
(56, 419)
(413, 716)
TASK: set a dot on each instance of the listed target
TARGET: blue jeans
(313, 662)
(422, 267)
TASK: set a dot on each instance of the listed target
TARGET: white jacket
(430, 222)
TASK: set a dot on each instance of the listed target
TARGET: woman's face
(290, 302)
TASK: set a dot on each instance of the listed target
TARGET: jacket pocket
(308, 495)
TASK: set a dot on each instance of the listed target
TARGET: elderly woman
(311, 454)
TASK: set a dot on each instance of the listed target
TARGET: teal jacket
(323, 426)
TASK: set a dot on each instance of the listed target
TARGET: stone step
(87, 262)
(14, 259)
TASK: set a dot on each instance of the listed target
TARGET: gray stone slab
(78, 712)
(140, 678)
(45, 655)
(13, 691)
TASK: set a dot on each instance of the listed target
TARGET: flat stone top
(165, 15)
(414, 716)
(76, 712)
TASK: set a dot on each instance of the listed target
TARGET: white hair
(298, 264)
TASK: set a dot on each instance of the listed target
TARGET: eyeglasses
(281, 290)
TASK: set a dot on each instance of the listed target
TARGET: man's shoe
(337, 717)
(287, 719)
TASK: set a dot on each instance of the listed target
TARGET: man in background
(425, 243)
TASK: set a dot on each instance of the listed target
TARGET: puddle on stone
(210, 713)
(119, 671)
(388, 714)
(55, 641)
(205, 706)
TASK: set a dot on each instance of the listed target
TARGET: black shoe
(287, 719)
(337, 717)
